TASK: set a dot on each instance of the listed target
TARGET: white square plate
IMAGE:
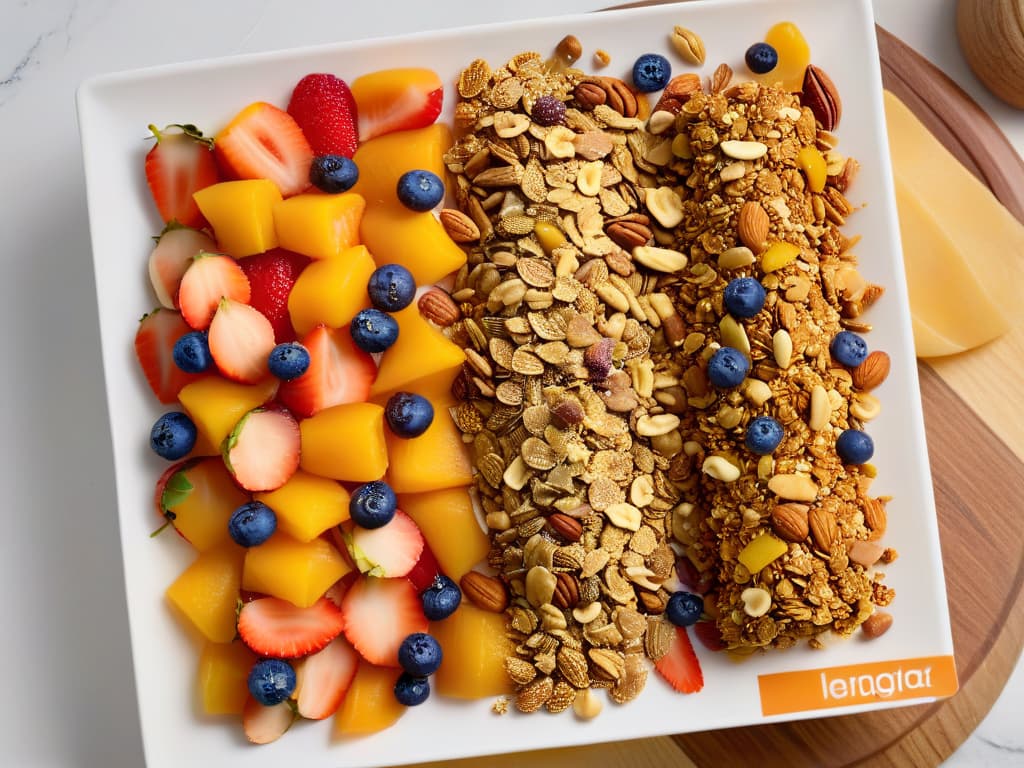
(114, 111)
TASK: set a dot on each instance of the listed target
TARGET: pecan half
(822, 96)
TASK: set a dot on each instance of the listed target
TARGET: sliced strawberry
(389, 551)
(271, 277)
(182, 162)
(323, 106)
(339, 372)
(262, 451)
(154, 348)
(324, 678)
(680, 667)
(276, 628)
(172, 488)
(397, 100)
(241, 339)
(378, 615)
(427, 569)
(175, 248)
(263, 725)
(336, 592)
(264, 142)
(209, 278)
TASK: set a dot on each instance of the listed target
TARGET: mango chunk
(370, 704)
(201, 512)
(812, 163)
(436, 459)
(241, 214)
(223, 677)
(777, 255)
(417, 241)
(317, 225)
(296, 571)
(216, 404)
(331, 291)
(383, 160)
(421, 351)
(345, 442)
(307, 505)
(475, 646)
(794, 56)
(206, 592)
(450, 526)
(762, 551)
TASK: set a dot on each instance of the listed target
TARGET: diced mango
(421, 351)
(223, 677)
(206, 592)
(436, 459)
(377, 92)
(475, 645)
(762, 551)
(216, 404)
(812, 163)
(331, 291)
(201, 513)
(794, 56)
(307, 505)
(383, 160)
(317, 225)
(345, 442)
(777, 255)
(450, 526)
(417, 241)
(370, 704)
(241, 214)
(296, 571)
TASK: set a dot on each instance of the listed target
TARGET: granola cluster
(599, 246)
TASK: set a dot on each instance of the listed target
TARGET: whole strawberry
(271, 277)
(324, 108)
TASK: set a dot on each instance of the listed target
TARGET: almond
(567, 590)
(459, 226)
(875, 518)
(568, 528)
(681, 87)
(485, 592)
(872, 371)
(438, 307)
(877, 624)
(753, 226)
(822, 96)
(824, 528)
(790, 521)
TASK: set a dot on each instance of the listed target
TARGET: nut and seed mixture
(600, 237)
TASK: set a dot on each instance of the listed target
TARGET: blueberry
(761, 58)
(763, 435)
(271, 681)
(849, 348)
(288, 361)
(727, 368)
(420, 190)
(333, 174)
(408, 415)
(651, 72)
(373, 505)
(252, 524)
(419, 654)
(855, 447)
(548, 110)
(684, 608)
(391, 287)
(172, 436)
(744, 297)
(373, 330)
(441, 598)
(192, 352)
(410, 690)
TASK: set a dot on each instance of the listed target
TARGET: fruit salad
(522, 445)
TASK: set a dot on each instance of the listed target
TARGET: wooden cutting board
(976, 448)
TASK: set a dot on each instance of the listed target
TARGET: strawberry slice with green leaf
(397, 100)
(175, 249)
(264, 142)
(389, 551)
(276, 628)
(181, 163)
(680, 667)
(210, 278)
(262, 451)
(154, 349)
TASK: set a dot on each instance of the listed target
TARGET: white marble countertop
(68, 696)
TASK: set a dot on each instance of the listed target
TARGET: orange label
(932, 676)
